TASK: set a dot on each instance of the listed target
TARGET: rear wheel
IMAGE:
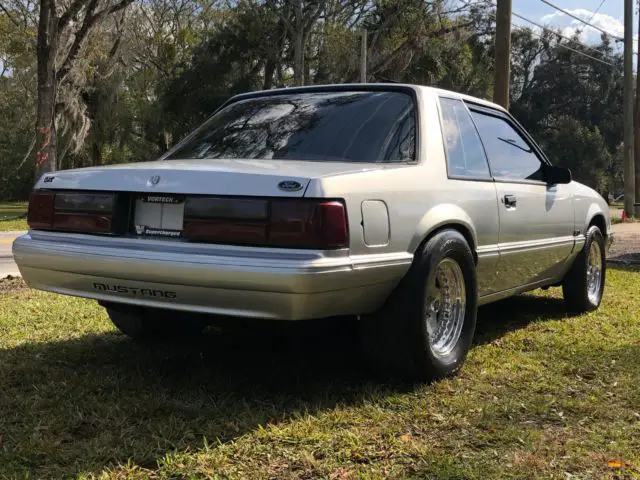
(426, 328)
(154, 324)
(583, 285)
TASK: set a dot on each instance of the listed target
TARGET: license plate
(158, 216)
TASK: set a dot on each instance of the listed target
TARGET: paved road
(7, 267)
(626, 244)
(627, 241)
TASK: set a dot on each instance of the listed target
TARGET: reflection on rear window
(331, 126)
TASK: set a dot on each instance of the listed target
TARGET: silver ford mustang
(403, 205)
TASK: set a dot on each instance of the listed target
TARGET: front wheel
(426, 328)
(583, 285)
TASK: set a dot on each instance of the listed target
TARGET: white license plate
(158, 216)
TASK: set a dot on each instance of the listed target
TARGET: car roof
(368, 86)
(462, 96)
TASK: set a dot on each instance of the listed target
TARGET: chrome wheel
(594, 273)
(445, 307)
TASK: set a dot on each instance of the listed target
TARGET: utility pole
(502, 69)
(363, 58)
(629, 175)
(636, 139)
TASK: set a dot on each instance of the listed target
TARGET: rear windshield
(326, 126)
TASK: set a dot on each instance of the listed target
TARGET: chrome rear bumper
(237, 281)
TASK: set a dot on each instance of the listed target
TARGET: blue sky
(610, 17)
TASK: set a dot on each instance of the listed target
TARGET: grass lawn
(542, 395)
(8, 212)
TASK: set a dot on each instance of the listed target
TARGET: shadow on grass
(80, 405)
(497, 319)
(633, 266)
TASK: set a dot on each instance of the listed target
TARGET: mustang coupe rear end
(403, 205)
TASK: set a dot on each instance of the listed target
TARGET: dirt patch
(11, 284)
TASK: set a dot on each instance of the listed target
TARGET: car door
(536, 219)
(470, 186)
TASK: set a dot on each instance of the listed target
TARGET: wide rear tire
(144, 324)
(426, 328)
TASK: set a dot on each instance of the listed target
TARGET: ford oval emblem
(290, 186)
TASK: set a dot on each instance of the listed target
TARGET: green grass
(8, 213)
(542, 395)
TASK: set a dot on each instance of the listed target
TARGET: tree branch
(90, 19)
(116, 45)
(314, 16)
(80, 35)
(26, 156)
(71, 12)
(9, 16)
(113, 9)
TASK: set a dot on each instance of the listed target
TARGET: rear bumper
(237, 281)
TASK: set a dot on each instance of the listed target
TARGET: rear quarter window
(465, 153)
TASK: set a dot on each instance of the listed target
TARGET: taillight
(40, 212)
(77, 212)
(226, 220)
(84, 212)
(310, 224)
(299, 223)
(83, 222)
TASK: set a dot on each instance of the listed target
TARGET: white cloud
(570, 25)
(571, 31)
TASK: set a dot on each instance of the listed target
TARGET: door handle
(510, 201)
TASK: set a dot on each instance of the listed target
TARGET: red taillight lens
(278, 223)
(85, 202)
(40, 213)
(83, 222)
(77, 212)
(224, 231)
(309, 224)
(226, 220)
(84, 212)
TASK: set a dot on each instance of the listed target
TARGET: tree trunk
(45, 129)
(307, 74)
(298, 60)
(305, 62)
(269, 70)
(637, 137)
(298, 46)
(46, 87)
(279, 76)
(96, 154)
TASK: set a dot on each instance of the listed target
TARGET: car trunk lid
(263, 178)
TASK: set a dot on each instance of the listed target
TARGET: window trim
(450, 176)
(513, 123)
(522, 181)
(408, 90)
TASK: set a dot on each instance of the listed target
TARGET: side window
(510, 156)
(465, 155)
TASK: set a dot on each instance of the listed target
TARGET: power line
(547, 2)
(595, 12)
(492, 14)
(569, 48)
(556, 33)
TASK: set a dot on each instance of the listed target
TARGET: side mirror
(557, 175)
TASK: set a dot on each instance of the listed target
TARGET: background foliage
(150, 73)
